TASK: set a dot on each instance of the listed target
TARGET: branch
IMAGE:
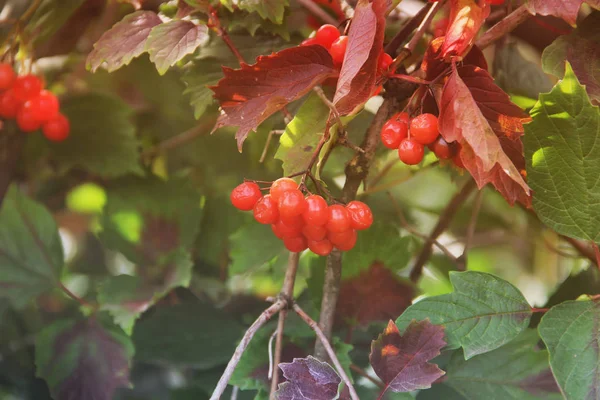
(331, 292)
(406, 30)
(239, 351)
(215, 24)
(318, 12)
(313, 325)
(506, 25)
(362, 373)
(462, 260)
(442, 224)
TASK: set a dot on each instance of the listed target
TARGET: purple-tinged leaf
(87, 359)
(173, 40)
(565, 9)
(401, 361)
(123, 42)
(308, 378)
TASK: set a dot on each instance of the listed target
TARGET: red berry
(295, 244)
(326, 35)
(9, 105)
(320, 247)
(395, 130)
(316, 211)
(314, 232)
(245, 196)
(293, 222)
(7, 76)
(376, 90)
(360, 214)
(291, 204)
(281, 230)
(458, 160)
(57, 129)
(442, 149)
(495, 2)
(338, 50)
(410, 152)
(384, 62)
(27, 120)
(27, 87)
(345, 240)
(339, 219)
(309, 41)
(45, 106)
(280, 186)
(265, 210)
(424, 128)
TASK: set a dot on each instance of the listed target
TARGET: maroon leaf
(402, 361)
(466, 18)
(123, 42)
(308, 378)
(565, 9)
(540, 383)
(483, 153)
(249, 95)
(377, 294)
(365, 41)
(433, 65)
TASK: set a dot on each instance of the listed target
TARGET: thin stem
(267, 143)
(597, 254)
(539, 310)
(234, 393)
(504, 26)
(318, 12)
(319, 91)
(411, 79)
(364, 374)
(406, 30)
(78, 299)
(215, 24)
(331, 291)
(315, 327)
(177, 140)
(471, 229)
(239, 351)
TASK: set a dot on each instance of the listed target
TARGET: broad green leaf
(570, 332)
(173, 40)
(246, 375)
(253, 246)
(267, 9)
(393, 252)
(195, 334)
(102, 138)
(86, 359)
(302, 134)
(49, 17)
(31, 253)
(252, 23)
(563, 159)
(517, 371)
(483, 313)
(123, 42)
(197, 77)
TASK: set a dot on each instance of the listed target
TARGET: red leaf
(308, 378)
(249, 95)
(365, 41)
(466, 18)
(402, 361)
(484, 131)
(433, 64)
(565, 9)
(376, 294)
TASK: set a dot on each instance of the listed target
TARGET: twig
(267, 143)
(287, 292)
(363, 373)
(315, 327)
(443, 222)
(332, 108)
(582, 248)
(406, 30)
(239, 351)
(177, 140)
(215, 24)
(331, 292)
(234, 393)
(597, 254)
(462, 260)
(504, 26)
(270, 351)
(318, 12)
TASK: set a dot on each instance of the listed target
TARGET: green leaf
(483, 313)
(31, 253)
(302, 134)
(246, 375)
(517, 371)
(193, 334)
(173, 40)
(267, 9)
(563, 160)
(252, 23)
(393, 252)
(201, 74)
(49, 17)
(87, 359)
(253, 246)
(102, 138)
(570, 332)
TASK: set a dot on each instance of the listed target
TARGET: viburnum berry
(27, 120)
(9, 105)
(411, 152)
(360, 214)
(317, 212)
(384, 62)
(442, 149)
(458, 160)
(314, 232)
(295, 221)
(26, 87)
(57, 129)
(424, 128)
(320, 247)
(344, 240)
(291, 204)
(44, 106)
(7, 76)
(495, 2)
(339, 219)
(265, 210)
(280, 186)
(309, 41)
(245, 196)
(281, 230)
(338, 50)
(295, 244)
(326, 35)
(395, 130)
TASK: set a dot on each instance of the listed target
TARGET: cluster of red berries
(303, 222)
(410, 136)
(22, 98)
